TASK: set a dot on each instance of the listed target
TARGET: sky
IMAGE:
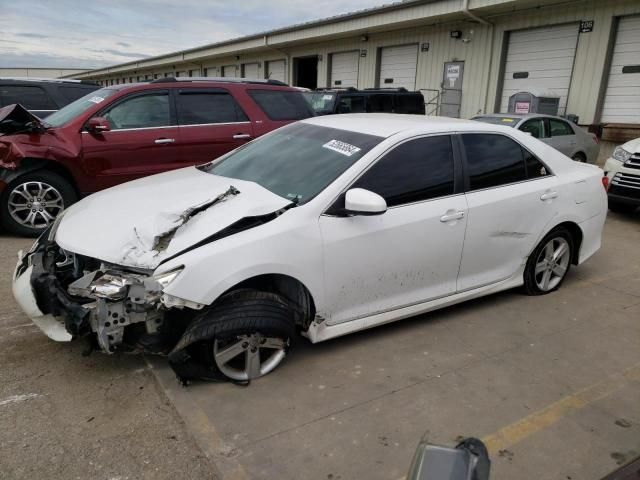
(97, 33)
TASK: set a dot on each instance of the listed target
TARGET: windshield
(71, 111)
(507, 121)
(321, 102)
(297, 161)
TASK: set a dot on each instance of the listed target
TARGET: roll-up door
(540, 58)
(622, 98)
(398, 66)
(229, 71)
(344, 69)
(250, 70)
(276, 71)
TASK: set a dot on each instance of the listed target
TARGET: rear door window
(140, 111)
(407, 103)
(351, 104)
(493, 160)
(380, 103)
(535, 127)
(559, 128)
(282, 105)
(30, 97)
(414, 171)
(198, 108)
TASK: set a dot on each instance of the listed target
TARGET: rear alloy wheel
(32, 202)
(247, 357)
(549, 263)
(579, 157)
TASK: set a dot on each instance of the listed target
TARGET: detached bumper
(52, 327)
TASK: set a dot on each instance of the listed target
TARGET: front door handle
(548, 196)
(452, 216)
(241, 136)
(163, 141)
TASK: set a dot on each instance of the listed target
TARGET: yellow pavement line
(537, 421)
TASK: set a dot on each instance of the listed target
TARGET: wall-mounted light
(455, 33)
(364, 38)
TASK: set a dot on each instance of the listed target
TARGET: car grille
(625, 184)
(633, 162)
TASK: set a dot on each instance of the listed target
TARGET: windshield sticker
(508, 120)
(327, 97)
(341, 147)
(96, 99)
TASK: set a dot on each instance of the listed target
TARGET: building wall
(482, 50)
(39, 72)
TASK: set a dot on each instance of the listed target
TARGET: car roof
(388, 124)
(518, 115)
(182, 82)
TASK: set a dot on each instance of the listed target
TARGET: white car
(327, 226)
(622, 171)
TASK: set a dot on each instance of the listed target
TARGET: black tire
(579, 157)
(62, 187)
(241, 313)
(531, 286)
(619, 207)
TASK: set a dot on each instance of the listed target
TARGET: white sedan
(327, 226)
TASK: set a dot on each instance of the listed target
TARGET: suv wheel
(30, 203)
(619, 207)
(549, 263)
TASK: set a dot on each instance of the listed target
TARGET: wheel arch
(32, 164)
(295, 292)
(576, 235)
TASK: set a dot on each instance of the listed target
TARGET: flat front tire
(549, 263)
(249, 335)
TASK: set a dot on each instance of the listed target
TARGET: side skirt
(319, 332)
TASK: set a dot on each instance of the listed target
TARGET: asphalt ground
(551, 383)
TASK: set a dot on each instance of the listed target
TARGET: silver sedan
(558, 132)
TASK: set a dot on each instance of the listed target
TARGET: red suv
(123, 132)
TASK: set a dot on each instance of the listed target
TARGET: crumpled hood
(141, 223)
(15, 118)
(632, 146)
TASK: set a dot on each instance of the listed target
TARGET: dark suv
(42, 97)
(123, 132)
(369, 100)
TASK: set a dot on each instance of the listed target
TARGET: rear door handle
(548, 196)
(163, 141)
(240, 136)
(451, 216)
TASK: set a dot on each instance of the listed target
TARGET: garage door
(398, 67)
(540, 58)
(622, 99)
(229, 71)
(344, 69)
(250, 70)
(276, 70)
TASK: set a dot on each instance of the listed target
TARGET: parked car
(558, 132)
(43, 96)
(622, 172)
(370, 100)
(328, 226)
(123, 132)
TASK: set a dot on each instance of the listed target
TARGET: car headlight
(621, 154)
(165, 278)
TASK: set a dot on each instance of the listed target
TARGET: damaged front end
(119, 309)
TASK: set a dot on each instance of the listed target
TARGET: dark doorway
(305, 71)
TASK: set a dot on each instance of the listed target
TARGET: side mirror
(359, 201)
(98, 125)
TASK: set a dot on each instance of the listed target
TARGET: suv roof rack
(266, 81)
(51, 80)
(386, 89)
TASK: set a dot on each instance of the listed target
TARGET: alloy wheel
(552, 264)
(35, 204)
(246, 357)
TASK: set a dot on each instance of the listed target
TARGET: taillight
(605, 182)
